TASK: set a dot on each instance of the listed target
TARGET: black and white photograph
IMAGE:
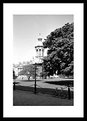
(43, 60)
(43, 68)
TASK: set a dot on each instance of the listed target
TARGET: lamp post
(14, 79)
(34, 63)
(69, 95)
(35, 80)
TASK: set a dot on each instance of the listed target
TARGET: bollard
(35, 87)
(69, 95)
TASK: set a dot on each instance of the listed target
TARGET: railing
(60, 92)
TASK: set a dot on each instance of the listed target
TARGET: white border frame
(43, 111)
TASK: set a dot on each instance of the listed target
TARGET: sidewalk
(42, 84)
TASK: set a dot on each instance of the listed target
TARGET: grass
(64, 82)
(24, 95)
(63, 94)
(26, 98)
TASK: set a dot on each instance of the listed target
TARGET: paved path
(42, 84)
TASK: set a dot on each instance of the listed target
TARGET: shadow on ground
(64, 82)
(26, 98)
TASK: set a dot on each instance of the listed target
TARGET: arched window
(39, 52)
(36, 50)
(39, 49)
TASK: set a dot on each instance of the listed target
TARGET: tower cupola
(39, 48)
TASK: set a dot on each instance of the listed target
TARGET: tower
(39, 49)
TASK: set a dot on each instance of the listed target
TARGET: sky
(26, 29)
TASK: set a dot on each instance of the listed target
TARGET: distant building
(17, 68)
(38, 59)
(39, 51)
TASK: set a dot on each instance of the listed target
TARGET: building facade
(39, 55)
(39, 51)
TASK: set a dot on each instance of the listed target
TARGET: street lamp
(35, 68)
(35, 80)
(14, 79)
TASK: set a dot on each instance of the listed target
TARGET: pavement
(41, 83)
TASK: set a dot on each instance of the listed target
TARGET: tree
(60, 51)
(14, 76)
(28, 70)
(44, 73)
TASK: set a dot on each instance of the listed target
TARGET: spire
(39, 42)
(40, 38)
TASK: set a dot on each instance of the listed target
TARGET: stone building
(39, 55)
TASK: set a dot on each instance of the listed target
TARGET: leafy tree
(60, 51)
(14, 76)
(44, 73)
(29, 70)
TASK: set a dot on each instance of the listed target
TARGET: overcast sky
(26, 29)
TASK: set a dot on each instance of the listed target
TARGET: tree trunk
(28, 78)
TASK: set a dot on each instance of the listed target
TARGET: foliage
(60, 51)
(14, 76)
(29, 71)
(43, 74)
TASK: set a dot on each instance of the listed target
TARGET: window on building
(36, 49)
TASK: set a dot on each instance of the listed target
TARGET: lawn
(64, 82)
(63, 94)
(26, 98)
(60, 93)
